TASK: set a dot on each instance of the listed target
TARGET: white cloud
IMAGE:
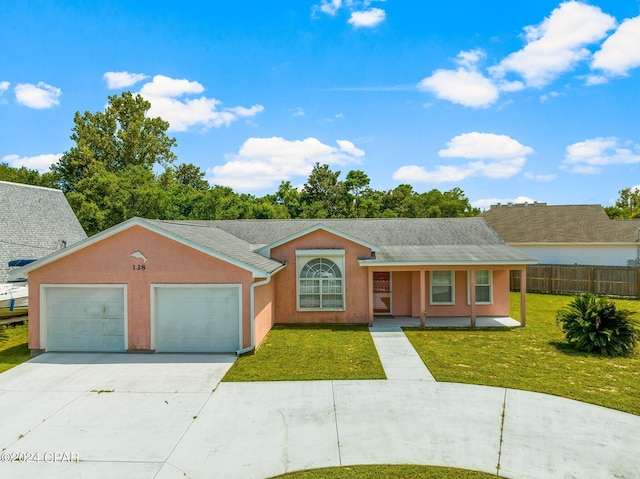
(589, 156)
(169, 87)
(361, 13)
(441, 174)
(497, 156)
(591, 80)
(486, 203)
(476, 145)
(547, 96)
(465, 85)
(39, 162)
(349, 148)
(38, 96)
(117, 80)
(557, 44)
(4, 86)
(330, 7)
(297, 111)
(621, 51)
(539, 177)
(368, 18)
(165, 95)
(468, 88)
(264, 162)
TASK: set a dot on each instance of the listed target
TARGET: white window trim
(490, 287)
(304, 256)
(453, 289)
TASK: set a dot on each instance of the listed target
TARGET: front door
(382, 292)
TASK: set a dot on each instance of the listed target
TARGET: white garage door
(85, 318)
(202, 318)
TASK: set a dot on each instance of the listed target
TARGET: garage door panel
(198, 319)
(85, 319)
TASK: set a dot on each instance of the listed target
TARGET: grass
(13, 346)
(535, 358)
(387, 472)
(311, 352)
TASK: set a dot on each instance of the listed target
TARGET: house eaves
(114, 230)
(440, 255)
(266, 250)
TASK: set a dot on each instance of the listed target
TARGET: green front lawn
(387, 472)
(534, 358)
(13, 346)
(308, 352)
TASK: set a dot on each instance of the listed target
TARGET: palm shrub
(594, 325)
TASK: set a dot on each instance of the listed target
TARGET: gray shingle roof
(558, 224)
(207, 235)
(408, 240)
(452, 254)
(34, 222)
(379, 231)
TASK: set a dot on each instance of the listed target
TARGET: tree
(627, 206)
(594, 325)
(190, 175)
(323, 196)
(107, 198)
(356, 184)
(119, 138)
(286, 201)
(25, 176)
(108, 175)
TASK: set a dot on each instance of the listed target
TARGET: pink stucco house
(219, 286)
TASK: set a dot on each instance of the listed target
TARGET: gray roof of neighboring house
(399, 240)
(34, 222)
(559, 224)
(207, 235)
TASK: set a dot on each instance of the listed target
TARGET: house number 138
(138, 267)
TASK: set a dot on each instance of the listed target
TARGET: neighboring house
(219, 286)
(34, 222)
(568, 234)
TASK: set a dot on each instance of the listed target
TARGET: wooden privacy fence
(574, 279)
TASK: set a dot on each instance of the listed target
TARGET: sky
(508, 101)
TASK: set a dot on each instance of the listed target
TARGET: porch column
(370, 289)
(523, 296)
(423, 298)
(472, 295)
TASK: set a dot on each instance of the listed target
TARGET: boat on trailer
(14, 295)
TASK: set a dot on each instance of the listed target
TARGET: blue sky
(509, 101)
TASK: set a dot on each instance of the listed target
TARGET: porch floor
(446, 322)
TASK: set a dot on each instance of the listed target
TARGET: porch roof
(432, 255)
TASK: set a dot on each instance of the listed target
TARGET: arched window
(320, 285)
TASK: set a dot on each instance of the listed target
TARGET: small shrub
(594, 325)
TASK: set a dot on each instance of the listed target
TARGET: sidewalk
(398, 357)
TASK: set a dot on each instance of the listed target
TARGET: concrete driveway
(166, 417)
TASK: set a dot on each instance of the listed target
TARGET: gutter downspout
(251, 346)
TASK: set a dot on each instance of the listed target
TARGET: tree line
(122, 165)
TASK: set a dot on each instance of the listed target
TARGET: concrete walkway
(398, 357)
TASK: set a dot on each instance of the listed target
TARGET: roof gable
(266, 250)
(233, 251)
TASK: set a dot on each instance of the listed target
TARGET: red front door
(382, 293)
